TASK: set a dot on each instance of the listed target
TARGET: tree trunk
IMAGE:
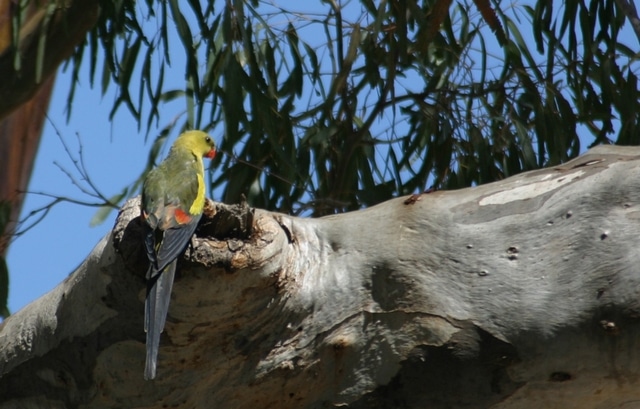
(523, 293)
(19, 140)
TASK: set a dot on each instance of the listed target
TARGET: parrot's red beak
(211, 154)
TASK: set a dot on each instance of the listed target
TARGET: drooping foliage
(332, 106)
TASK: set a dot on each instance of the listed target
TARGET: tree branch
(521, 293)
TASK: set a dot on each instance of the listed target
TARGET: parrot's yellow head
(197, 142)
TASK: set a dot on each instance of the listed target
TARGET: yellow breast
(198, 204)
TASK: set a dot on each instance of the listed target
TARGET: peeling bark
(523, 293)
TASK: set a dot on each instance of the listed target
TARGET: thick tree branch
(522, 293)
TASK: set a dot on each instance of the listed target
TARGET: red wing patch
(182, 217)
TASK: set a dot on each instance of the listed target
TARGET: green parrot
(172, 202)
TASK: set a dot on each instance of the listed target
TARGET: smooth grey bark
(523, 293)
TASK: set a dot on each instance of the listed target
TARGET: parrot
(173, 196)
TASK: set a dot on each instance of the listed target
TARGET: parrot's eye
(207, 139)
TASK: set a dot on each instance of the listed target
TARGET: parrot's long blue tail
(156, 308)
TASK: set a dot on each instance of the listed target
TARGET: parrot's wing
(150, 237)
(173, 242)
(156, 307)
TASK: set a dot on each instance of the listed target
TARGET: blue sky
(114, 152)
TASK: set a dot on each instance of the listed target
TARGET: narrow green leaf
(5, 214)
(200, 17)
(106, 78)
(315, 67)
(171, 95)
(103, 212)
(127, 66)
(100, 216)
(164, 31)
(156, 96)
(93, 60)
(371, 7)
(523, 48)
(4, 288)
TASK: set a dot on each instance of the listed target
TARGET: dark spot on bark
(412, 199)
(386, 287)
(610, 327)
(287, 232)
(560, 377)
(240, 342)
(474, 378)
(235, 245)
(227, 221)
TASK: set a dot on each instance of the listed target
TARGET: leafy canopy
(331, 106)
